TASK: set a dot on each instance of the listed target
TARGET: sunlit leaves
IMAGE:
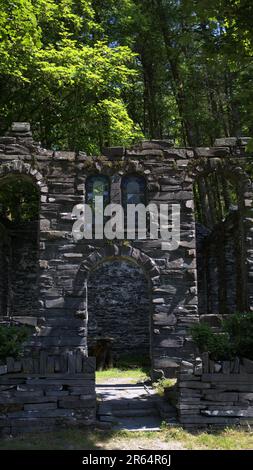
(66, 70)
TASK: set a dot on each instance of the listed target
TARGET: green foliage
(60, 71)
(164, 384)
(201, 333)
(240, 330)
(130, 368)
(122, 375)
(235, 338)
(19, 200)
(250, 146)
(218, 345)
(11, 341)
(90, 73)
(167, 437)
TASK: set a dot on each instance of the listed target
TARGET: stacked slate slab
(47, 393)
(215, 394)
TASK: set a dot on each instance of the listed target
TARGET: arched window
(220, 235)
(19, 200)
(19, 250)
(133, 190)
(97, 185)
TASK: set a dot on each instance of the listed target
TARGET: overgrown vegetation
(11, 341)
(234, 339)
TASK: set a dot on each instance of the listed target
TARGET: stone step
(132, 404)
(146, 423)
(133, 408)
(137, 412)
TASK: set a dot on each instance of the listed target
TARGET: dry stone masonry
(215, 394)
(47, 392)
(119, 308)
(48, 280)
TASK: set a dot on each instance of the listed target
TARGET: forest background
(89, 74)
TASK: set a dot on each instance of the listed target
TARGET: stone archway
(19, 245)
(21, 168)
(118, 253)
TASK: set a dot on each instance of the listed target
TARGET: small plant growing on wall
(11, 341)
(234, 339)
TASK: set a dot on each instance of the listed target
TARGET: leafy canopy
(58, 69)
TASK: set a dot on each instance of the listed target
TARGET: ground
(118, 375)
(166, 439)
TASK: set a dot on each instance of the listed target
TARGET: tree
(89, 73)
(55, 72)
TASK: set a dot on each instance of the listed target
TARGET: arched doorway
(19, 248)
(112, 253)
(119, 310)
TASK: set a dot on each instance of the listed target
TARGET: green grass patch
(132, 376)
(227, 439)
(130, 368)
(77, 439)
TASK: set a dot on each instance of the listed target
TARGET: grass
(163, 384)
(228, 439)
(128, 368)
(168, 438)
(132, 376)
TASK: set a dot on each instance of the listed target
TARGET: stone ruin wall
(65, 267)
(52, 385)
(46, 393)
(215, 394)
(119, 308)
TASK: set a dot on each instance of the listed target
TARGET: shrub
(235, 338)
(201, 334)
(218, 345)
(11, 341)
(240, 330)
